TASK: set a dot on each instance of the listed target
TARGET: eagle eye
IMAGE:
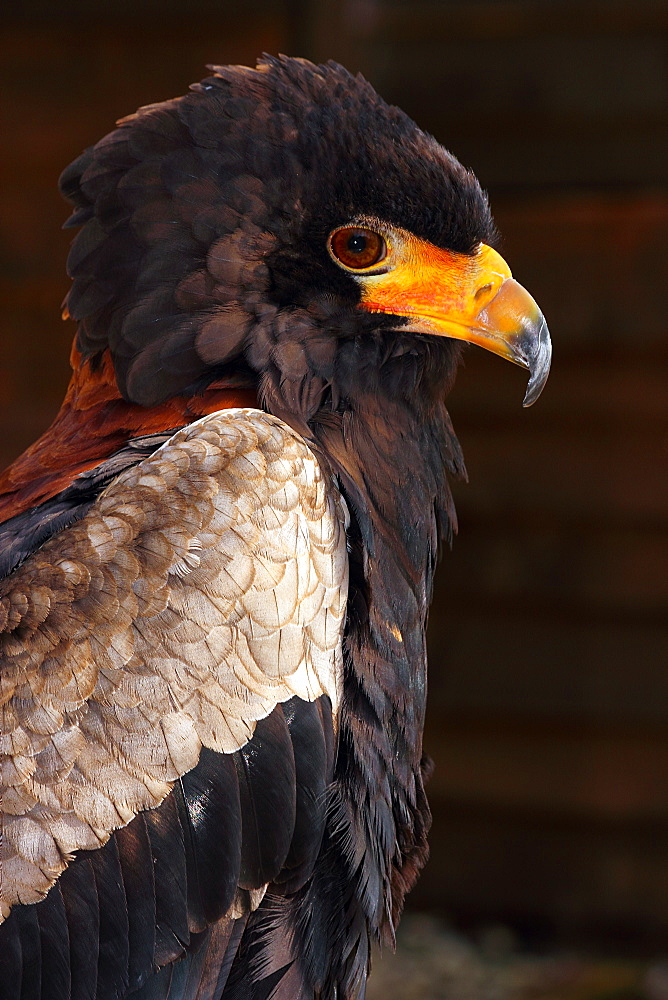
(357, 248)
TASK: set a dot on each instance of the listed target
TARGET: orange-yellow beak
(473, 298)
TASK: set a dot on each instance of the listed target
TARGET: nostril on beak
(483, 292)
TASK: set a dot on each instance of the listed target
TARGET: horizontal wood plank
(605, 773)
(602, 884)
(508, 660)
(555, 476)
(594, 571)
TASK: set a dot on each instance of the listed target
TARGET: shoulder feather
(206, 585)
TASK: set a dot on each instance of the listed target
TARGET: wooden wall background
(549, 646)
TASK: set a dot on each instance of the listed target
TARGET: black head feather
(205, 222)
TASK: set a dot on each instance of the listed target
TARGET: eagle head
(276, 224)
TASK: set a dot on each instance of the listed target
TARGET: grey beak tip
(538, 364)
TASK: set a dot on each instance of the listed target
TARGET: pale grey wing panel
(206, 585)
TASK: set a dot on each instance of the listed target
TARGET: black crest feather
(203, 218)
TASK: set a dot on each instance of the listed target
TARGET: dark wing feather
(267, 780)
(11, 967)
(134, 852)
(210, 795)
(313, 772)
(167, 838)
(157, 987)
(114, 954)
(222, 946)
(31, 955)
(56, 978)
(82, 915)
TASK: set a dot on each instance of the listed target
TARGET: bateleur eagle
(217, 563)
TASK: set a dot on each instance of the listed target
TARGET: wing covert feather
(206, 585)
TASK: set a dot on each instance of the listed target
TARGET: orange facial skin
(466, 297)
(428, 282)
(93, 423)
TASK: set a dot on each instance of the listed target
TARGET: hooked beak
(472, 298)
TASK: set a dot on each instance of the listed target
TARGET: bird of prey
(216, 565)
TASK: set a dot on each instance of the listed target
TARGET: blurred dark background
(549, 646)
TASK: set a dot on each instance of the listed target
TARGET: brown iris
(357, 248)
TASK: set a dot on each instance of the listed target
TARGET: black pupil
(357, 243)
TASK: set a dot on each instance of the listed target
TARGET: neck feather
(391, 459)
